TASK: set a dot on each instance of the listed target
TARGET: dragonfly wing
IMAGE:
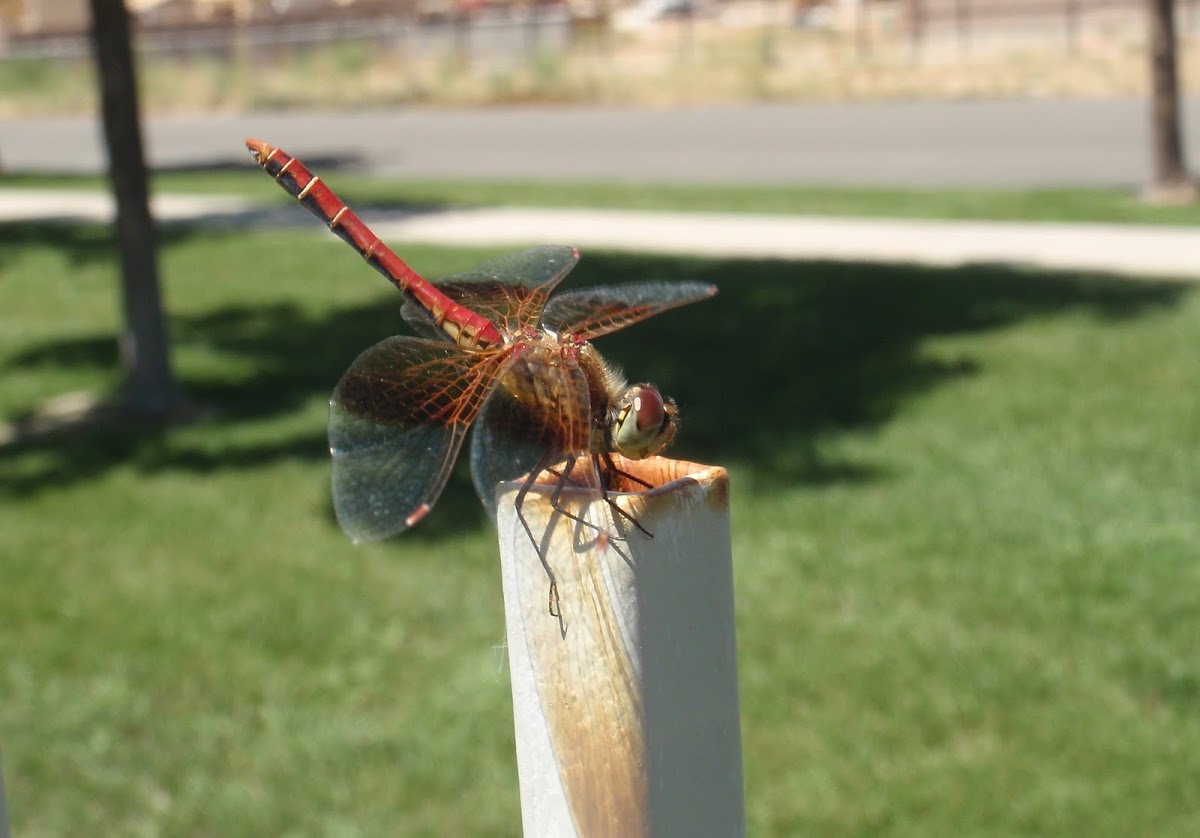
(512, 289)
(397, 420)
(538, 413)
(420, 322)
(591, 312)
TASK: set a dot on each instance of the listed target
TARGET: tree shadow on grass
(80, 242)
(788, 352)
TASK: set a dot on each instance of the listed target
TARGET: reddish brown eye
(648, 405)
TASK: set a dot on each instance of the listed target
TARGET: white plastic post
(626, 706)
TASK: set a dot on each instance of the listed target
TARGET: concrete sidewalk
(81, 205)
(1125, 249)
(1146, 251)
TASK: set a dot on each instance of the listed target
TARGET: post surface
(626, 706)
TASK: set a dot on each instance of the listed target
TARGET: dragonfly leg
(565, 479)
(610, 468)
(565, 476)
(603, 536)
(602, 477)
(553, 603)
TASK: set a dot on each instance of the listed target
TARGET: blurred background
(952, 370)
(277, 53)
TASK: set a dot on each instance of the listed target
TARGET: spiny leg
(612, 469)
(601, 482)
(604, 538)
(554, 604)
(611, 465)
(565, 479)
(552, 598)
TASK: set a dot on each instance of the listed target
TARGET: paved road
(1010, 143)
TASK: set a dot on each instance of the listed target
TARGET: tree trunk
(1171, 179)
(149, 387)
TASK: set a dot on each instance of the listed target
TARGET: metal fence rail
(524, 31)
(965, 20)
(527, 30)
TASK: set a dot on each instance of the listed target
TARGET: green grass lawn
(966, 531)
(1074, 204)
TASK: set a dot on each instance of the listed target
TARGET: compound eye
(643, 422)
(648, 408)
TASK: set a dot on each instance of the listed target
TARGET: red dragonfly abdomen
(468, 329)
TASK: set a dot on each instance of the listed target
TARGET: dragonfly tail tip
(258, 148)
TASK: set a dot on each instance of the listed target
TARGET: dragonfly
(494, 350)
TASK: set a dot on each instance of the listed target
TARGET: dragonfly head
(642, 422)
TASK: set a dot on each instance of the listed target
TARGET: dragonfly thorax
(641, 422)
